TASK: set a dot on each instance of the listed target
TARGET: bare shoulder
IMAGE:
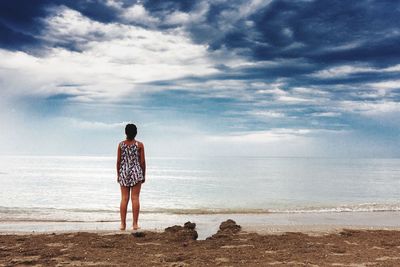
(140, 144)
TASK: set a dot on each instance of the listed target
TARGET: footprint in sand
(58, 244)
(222, 260)
(148, 244)
(386, 258)
(237, 246)
(351, 243)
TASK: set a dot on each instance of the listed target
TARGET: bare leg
(135, 205)
(123, 206)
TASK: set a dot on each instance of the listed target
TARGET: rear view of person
(131, 173)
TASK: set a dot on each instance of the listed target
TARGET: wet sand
(207, 224)
(177, 246)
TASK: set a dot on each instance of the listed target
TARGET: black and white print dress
(130, 172)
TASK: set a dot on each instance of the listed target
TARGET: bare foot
(135, 227)
(122, 227)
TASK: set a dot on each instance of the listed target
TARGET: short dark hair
(130, 131)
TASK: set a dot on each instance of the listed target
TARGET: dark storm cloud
(14, 39)
(93, 9)
(324, 32)
(315, 34)
(22, 14)
(21, 20)
(317, 30)
(18, 23)
(166, 6)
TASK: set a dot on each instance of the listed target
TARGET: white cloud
(93, 125)
(196, 16)
(346, 70)
(309, 91)
(115, 60)
(177, 17)
(296, 95)
(340, 71)
(346, 46)
(138, 14)
(267, 114)
(294, 45)
(296, 100)
(269, 136)
(370, 108)
(327, 114)
(392, 68)
(114, 3)
(393, 84)
(271, 88)
(229, 17)
(288, 32)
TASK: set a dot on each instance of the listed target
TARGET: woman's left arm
(143, 161)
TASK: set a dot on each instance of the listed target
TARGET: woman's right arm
(118, 161)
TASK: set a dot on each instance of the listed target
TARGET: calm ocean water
(85, 188)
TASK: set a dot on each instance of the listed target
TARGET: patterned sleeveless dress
(130, 172)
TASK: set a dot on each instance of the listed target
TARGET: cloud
(385, 85)
(340, 71)
(268, 114)
(346, 70)
(113, 61)
(177, 17)
(94, 125)
(137, 14)
(370, 108)
(275, 135)
(326, 114)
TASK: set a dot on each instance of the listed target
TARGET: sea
(85, 188)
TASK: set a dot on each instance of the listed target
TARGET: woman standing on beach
(131, 173)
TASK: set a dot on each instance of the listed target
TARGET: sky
(274, 78)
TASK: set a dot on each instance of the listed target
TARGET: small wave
(364, 207)
(20, 210)
(17, 212)
(367, 207)
(9, 220)
(207, 211)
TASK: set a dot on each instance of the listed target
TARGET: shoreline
(272, 223)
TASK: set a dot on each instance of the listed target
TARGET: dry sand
(177, 246)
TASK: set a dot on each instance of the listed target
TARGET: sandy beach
(230, 245)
